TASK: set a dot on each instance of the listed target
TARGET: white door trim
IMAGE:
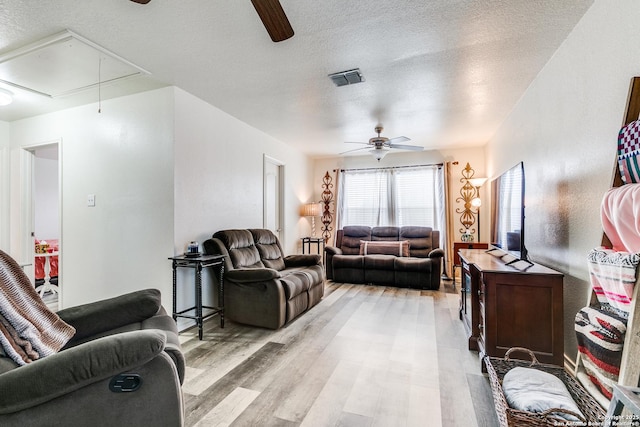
(280, 165)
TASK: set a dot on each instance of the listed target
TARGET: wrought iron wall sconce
(470, 196)
(327, 199)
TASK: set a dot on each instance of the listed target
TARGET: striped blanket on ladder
(613, 275)
(600, 330)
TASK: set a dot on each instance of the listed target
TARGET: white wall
(124, 156)
(46, 193)
(219, 174)
(5, 180)
(565, 129)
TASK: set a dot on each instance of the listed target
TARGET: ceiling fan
(381, 145)
(272, 16)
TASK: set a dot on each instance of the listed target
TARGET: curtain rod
(439, 165)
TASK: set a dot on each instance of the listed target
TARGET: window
(392, 197)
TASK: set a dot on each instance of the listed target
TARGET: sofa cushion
(379, 262)
(295, 283)
(315, 273)
(242, 250)
(269, 248)
(384, 248)
(384, 233)
(421, 240)
(413, 264)
(379, 270)
(351, 236)
(348, 268)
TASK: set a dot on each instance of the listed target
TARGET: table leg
(221, 294)
(199, 299)
(175, 297)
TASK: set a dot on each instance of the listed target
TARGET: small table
(47, 286)
(198, 263)
(456, 256)
(307, 241)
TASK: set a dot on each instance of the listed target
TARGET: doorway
(273, 218)
(43, 240)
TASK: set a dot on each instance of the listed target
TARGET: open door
(42, 219)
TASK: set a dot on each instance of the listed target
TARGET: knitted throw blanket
(613, 275)
(28, 329)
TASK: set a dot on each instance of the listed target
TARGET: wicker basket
(509, 417)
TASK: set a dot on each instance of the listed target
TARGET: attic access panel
(63, 64)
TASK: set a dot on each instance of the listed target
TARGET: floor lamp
(311, 210)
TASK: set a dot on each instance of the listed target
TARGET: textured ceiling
(444, 73)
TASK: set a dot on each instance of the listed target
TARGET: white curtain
(392, 196)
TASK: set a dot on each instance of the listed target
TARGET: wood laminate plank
(327, 408)
(364, 356)
(483, 401)
(303, 350)
(223, 414)
(453, 362)
(196, 407)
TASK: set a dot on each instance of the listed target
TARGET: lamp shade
(311, 209)
(477, 182)
(378, 153)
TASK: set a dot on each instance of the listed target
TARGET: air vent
(349, 77)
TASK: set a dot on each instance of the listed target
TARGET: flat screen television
(507, 212)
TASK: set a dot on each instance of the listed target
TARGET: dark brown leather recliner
(262, 287)
(420, 269)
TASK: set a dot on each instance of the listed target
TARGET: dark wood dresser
(504, 306)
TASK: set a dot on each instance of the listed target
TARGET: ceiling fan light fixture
(6, 97)
(378, 153)
(349, 77)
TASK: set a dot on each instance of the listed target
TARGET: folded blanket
(629, 152)
(613, 276)
(600, 337)
(28, 329)
(532, 390)
(620, 217)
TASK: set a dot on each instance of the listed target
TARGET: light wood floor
(364, 356)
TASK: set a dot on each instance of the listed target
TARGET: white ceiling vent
(63, 64)
(349, 77)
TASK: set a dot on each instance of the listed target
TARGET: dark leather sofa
(420, 269)
(262, 287)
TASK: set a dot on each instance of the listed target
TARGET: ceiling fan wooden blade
(141, 1)
(274, 19)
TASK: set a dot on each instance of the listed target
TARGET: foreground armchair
(122, 364)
